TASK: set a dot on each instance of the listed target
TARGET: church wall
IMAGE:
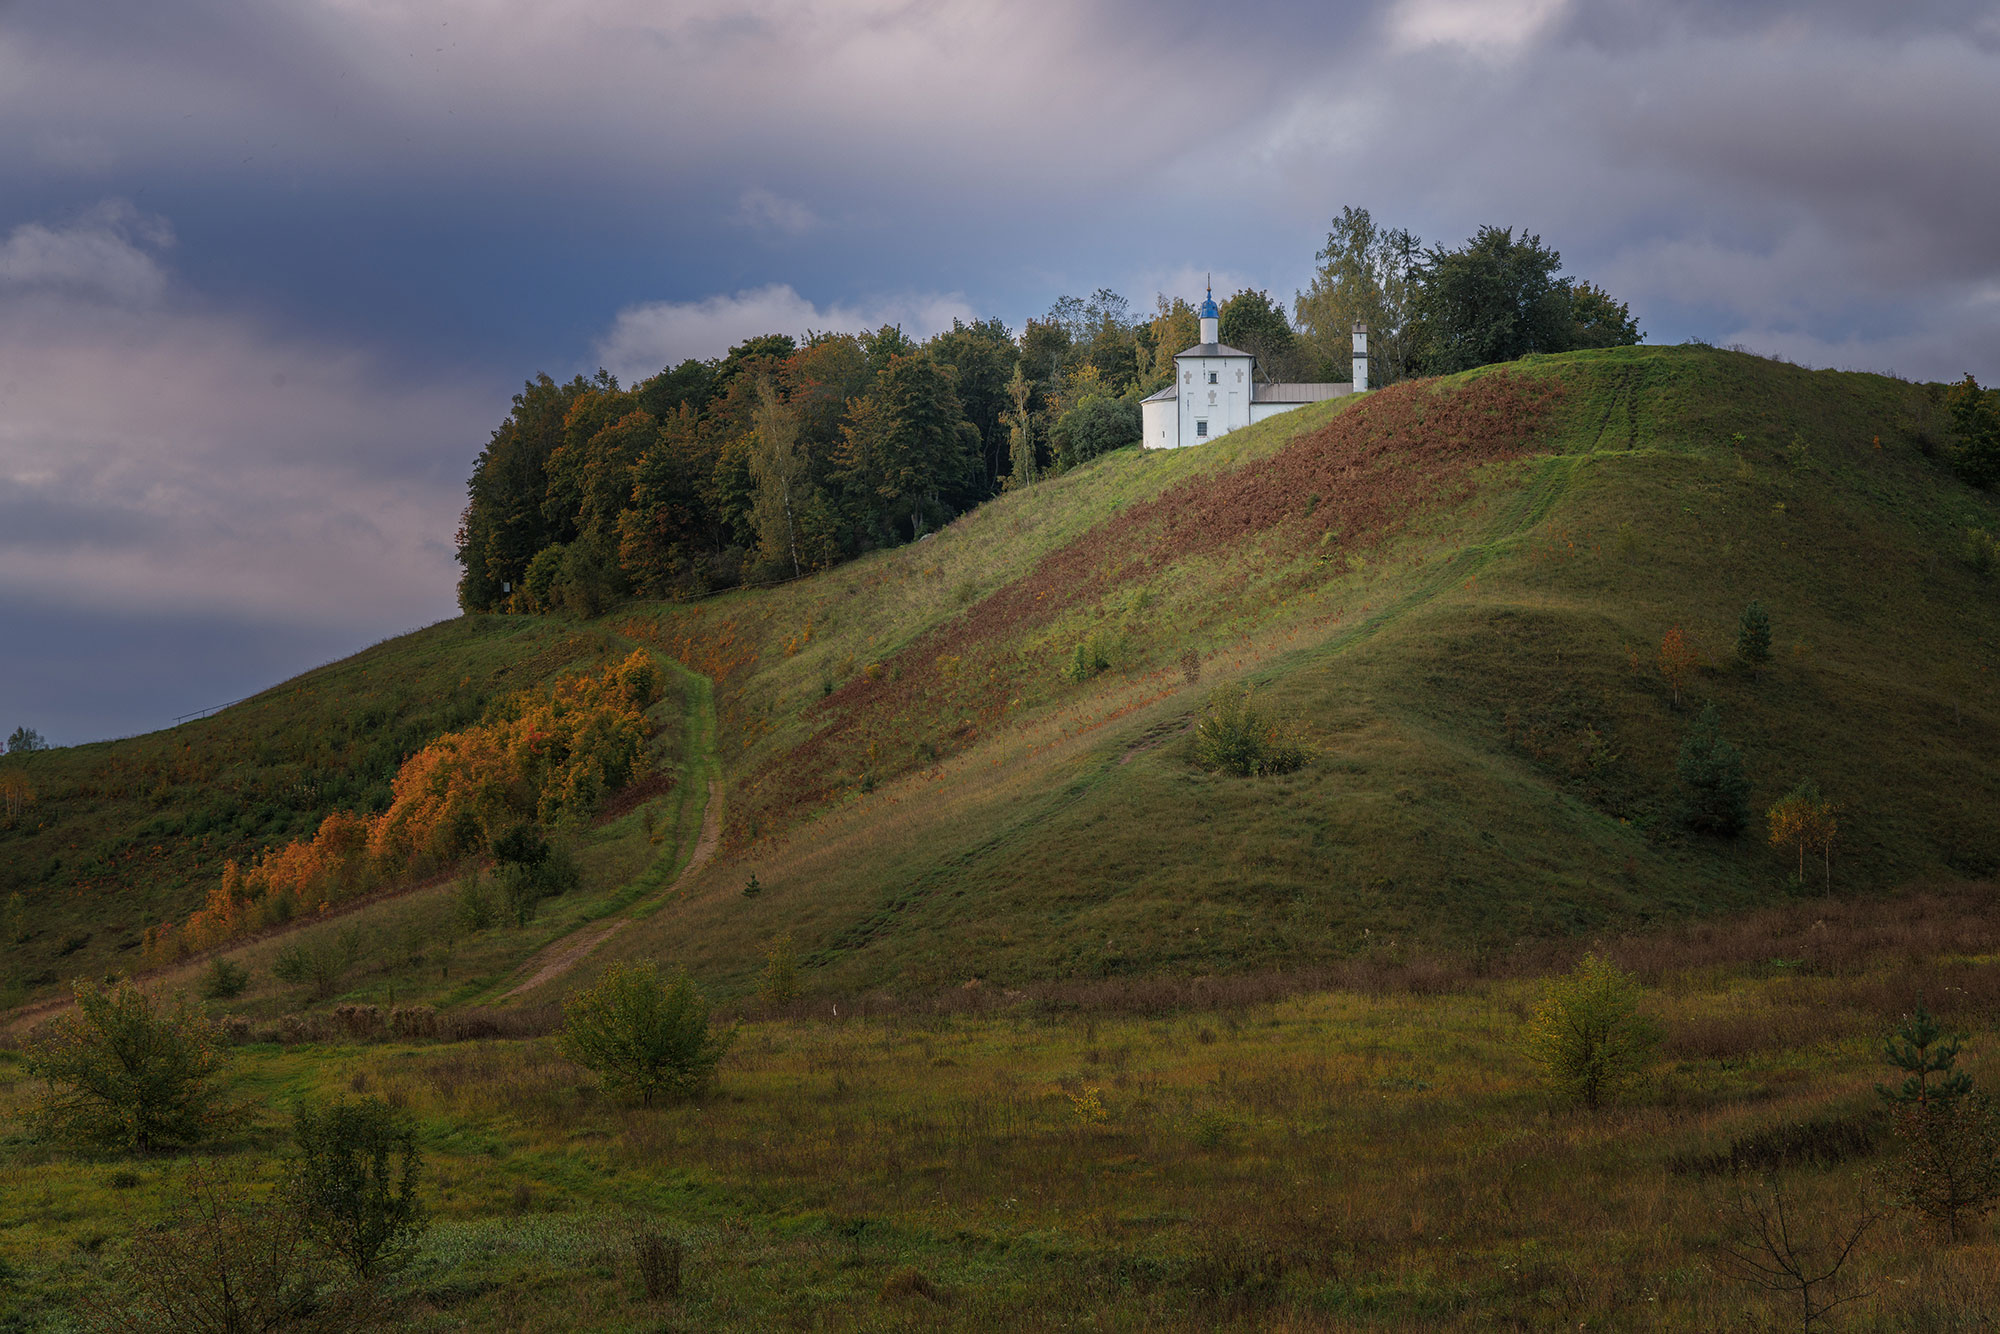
(1160, 424)
(1263, 411)
(1231, 394)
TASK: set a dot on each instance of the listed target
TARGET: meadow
(1363, 1148)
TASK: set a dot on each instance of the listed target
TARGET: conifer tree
(1753, 636)
(1716, 795)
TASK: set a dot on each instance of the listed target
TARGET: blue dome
(1208, 308)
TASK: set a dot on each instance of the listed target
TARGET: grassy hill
(1457, 589)
(1453, 589)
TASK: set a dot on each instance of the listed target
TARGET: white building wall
(1224, 405)
(1160, 424)
(1264, 411)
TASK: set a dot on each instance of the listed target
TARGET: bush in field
(531, 869)
(354, 1181)
(225, 980)
(225, 1264)
(319, 961)
(778, 986)
(1232, 736)
(1715, 795)
(644, 1037)
(1588, 1033)
(128, 1071)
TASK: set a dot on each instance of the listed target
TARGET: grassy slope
(127, 833)
(1494, 745)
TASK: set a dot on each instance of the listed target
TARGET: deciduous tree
(1677, 661)
(1589, 1034)
(644, 1037)
(127, 1070)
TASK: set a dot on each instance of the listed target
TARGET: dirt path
(562, 955)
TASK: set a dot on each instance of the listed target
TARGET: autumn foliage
(548, 758)
(1677, 661)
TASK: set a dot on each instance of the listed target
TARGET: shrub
(1753, 635)
(223, 1264)
(1232, 736)
(1588, 1033)
(318, 962)
(475, 907)
(225, 980)
(1715, 795)
(779, 984)
(642, 1036)
(354, 1181)
(659, 1263)
(128, 1071)
(1088, 661)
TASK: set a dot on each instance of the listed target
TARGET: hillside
(1453, 589)
(1457, 588)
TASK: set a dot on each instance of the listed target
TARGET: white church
(1217, 390)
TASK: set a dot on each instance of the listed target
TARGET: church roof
(1167, 395)
(1211, 350)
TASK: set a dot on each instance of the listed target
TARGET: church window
(1201, 427)
(1211, 377)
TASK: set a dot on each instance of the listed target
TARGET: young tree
(1588, 1033)
(1366, 273)
(225, 1263)
(1770, 1244)
(1715, 796)
(1753, 636)
(644, 1037)
(318, 961)
(1806, 822)
(1677, 661)
(1022, 469)
(354, 1180)
(1920, 1047)
(1947, 1167)
(16, 795)
(127, 1071)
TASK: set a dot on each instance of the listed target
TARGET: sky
(270, 274)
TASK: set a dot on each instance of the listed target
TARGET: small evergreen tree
(1715, 796)
(127, 1071)
(1920, 1048)
(644, 1037)
(354, 1180)
(1947, 1167)
(1753, 636)
(1588, 1033)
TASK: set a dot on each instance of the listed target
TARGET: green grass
(1494, 747)
(1329, 1160)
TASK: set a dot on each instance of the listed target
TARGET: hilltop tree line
(789, 456)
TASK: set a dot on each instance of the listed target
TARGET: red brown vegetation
(1395, 456)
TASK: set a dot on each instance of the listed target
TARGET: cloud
(1486, 27)
(160, 455)
(105, 253)
(759, 210)
(645, 338)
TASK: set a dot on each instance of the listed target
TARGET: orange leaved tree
(1677, 661)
